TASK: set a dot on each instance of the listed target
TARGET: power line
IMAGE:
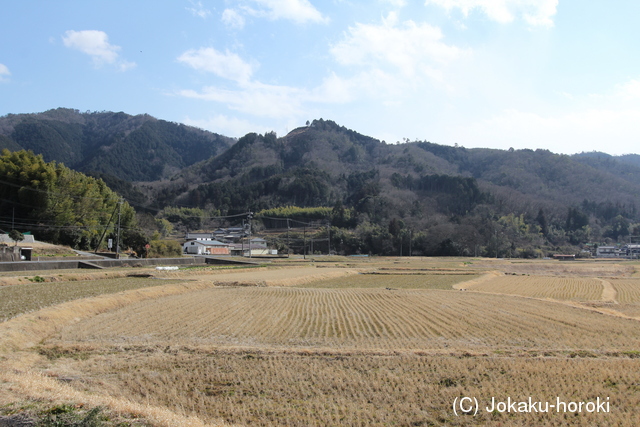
(307, 224)
(187, 207)
(61, 227)
(38, 190)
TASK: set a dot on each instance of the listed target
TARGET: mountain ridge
(134, 148)
(460, 198)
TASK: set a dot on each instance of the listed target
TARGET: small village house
(205, 247)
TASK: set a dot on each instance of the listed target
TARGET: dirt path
(463, 286)
(608, 298)
(609, 293)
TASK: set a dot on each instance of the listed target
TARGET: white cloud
(226, 65)
(198, 9)
(383, 87)
(93, 43)
(591, 129)
(629, 90)
(255, 98)
(4, 73)
(411, 49)
(224, 125)
(621, 96)
(395, 3)
(274, 101)
(534, 12)
(391, 60)
(566, 123)
(252, 97)
(233, 19)
(333, 90)
(96, 44)
(299, 11)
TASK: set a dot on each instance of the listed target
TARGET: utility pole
(105, 229)
(329, 236)
(118, 235)
(304, 247)
(288, 245)
(249, 219)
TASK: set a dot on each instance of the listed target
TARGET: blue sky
(553, 74)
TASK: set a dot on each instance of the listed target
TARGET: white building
(606, 251)
(205, 247)
(257, 247)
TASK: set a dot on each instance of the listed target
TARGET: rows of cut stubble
(362, 354)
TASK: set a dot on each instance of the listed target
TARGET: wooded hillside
(440, 200)
(131, 148)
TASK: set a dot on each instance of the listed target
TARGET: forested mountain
(327, 163)
(456, 200)
(378, 196)
(558, 180)
(131, 148)
(321, 164)
(633, 159)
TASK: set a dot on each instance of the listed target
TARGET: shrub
(164, 248)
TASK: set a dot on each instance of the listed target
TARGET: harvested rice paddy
(27, 297)
(372, 342)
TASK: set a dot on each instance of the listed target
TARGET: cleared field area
(628, 296)
(630, 310)
(395, 281)
(628, 290)
(586, 268)
(560, 288)
(18, 299)
(356, 319)
(272, 276)
(332, 389)
(318, 345)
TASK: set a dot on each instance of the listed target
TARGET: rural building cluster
(226, 241)
(624, 251)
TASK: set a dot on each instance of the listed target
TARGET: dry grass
(323, 346)
(47, 249)
(393, 263)
(263, 276)
(628, 296)
(582, 268)
(357, 389)
(21, 375)
(627, 310)
(356, 319)
(25, 331)
(35, 386)
(559, 288)
(23, 298)
(8, 278)
(628, 290)
(395, 281)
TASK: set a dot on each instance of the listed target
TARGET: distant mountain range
(333, 158)
(324, 164)
(131, 148)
